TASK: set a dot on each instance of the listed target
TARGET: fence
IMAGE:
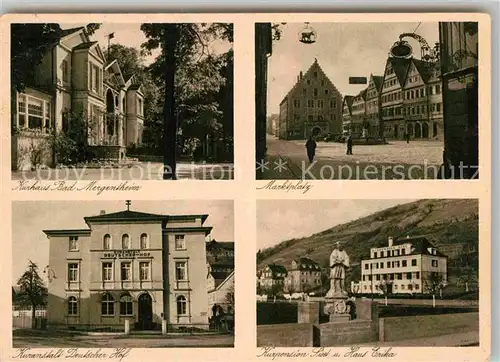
(25, 321)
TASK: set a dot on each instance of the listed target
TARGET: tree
(187, 72)
(467, 276)
(434, 284)
(32, 290)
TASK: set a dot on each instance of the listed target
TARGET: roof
(219, 277)
(308, 264)
(424, 69)
(315, 64)
(419, 245)
(142, 216)
(276, 268)
(85, 45)
(348, 100)
(378, 80)
(400, 67)
(70, 31)
(67, 232)
(228, 245)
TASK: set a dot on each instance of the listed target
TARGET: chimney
(391, 239)
(103, 212)
(300, 75)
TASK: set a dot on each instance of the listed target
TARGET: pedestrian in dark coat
(349, 145)
(311, 149)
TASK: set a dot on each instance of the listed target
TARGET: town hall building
(75, 77)
(313, 107)
(130, 265)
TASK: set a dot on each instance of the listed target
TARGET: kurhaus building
(75, 78)
(129, 265)
(313, 106)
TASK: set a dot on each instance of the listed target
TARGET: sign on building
(358, 80)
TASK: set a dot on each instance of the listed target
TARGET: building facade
(347, 115)
(303, 275)
(392, 97)
(358, 115)
(406, 265)
(272, 276)
(373, 106)
(75, 80)
(132, 266)
(220, 277)
(312, 107)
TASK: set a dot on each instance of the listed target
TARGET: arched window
(181, 305)
(125, 241)
(126, 307)
(107, 305)
(106, 243)
(144, 241)
(72, 306)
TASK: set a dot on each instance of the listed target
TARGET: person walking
(311, 148)
(349, 145)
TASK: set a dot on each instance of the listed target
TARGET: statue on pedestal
(339, 262)
(336, 298)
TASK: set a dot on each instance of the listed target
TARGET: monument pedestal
(337, 308)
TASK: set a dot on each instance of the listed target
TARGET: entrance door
(395, 131)
(145, 311)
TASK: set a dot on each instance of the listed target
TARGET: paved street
(44, 339)
(396, 160)
(139, 171)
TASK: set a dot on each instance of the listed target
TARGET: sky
(130, 35)
(281, 220)
(343, 50)
(29, 218)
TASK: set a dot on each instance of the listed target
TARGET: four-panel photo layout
(338, 107)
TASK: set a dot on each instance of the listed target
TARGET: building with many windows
(76, 81)
(358, 113)
(272, 276)
(347, 115)
(406, 265)
(311, 107)
(129, 265)
(303, 275)
(373, 106)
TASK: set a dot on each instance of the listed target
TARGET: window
(402, 287)
(315, 92)
(72, 306)
(438, 107)
(65, 71)
(403, 252)
(326, 91)
(106, 242)
(144, 270)
(417, 275)
(414, 262)
(366, 266)
(438, 89)
(434, 263)
(308, 82)
(107, 305)
(144, 241)
(400, 276)
(125, 241)
(381, 254)
(38, 113)
(126, 307)
(417, 286)
(310, 103)
(309, 118)
(315, 74)
(107, 271)
(320, 103)
(180, 242)
(126, 271)
(395, 287)
(408, 276)
(73, 243)
(73, 272)
(377, 277)
(375, 255)
(181, 305)
(304, 92)
(180, 270)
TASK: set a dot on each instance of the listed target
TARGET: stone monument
(336, 299)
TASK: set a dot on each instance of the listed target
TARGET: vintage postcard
(246, 187)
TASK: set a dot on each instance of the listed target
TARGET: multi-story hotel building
(405, 265)
(129, 265)
(75, 77)
(311, 107)
(303, 275)
(272, 276)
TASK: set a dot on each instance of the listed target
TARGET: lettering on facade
(358, 80)
(126, 254)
